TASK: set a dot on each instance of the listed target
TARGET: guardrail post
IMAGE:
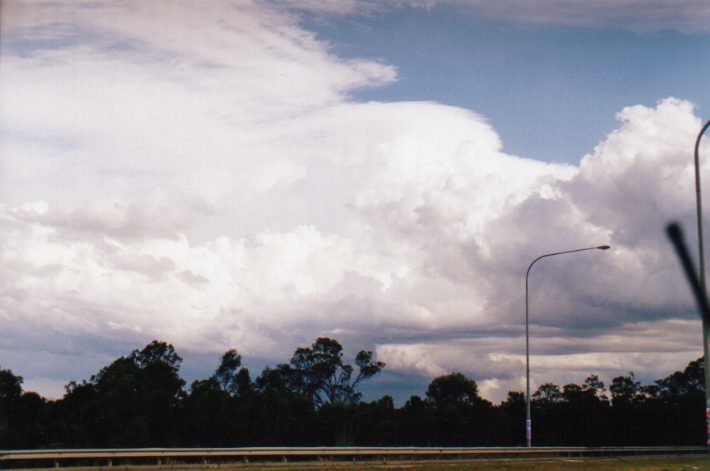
(56, 463)
(110, 463)
(158, 461)
(246, 459)
(204, 462)
(284, 459)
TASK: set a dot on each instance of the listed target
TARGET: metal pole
(528, 420)
(701, 273)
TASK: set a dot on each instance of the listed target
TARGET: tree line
(140, 400)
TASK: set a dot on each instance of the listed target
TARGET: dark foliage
(320, 374)
(139, 401)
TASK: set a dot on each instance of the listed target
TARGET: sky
(257, 174)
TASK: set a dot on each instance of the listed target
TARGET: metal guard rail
(158, 454)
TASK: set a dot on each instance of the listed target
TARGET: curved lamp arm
(528, 421)
(599, 247)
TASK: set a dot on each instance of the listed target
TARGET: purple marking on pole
(528, 428)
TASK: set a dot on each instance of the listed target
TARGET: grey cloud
(152, 267)
(191, 278)
(160, 215)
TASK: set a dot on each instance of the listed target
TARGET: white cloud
(218, 189)
(685, 16)
(199, 108)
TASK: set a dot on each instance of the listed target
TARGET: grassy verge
(666, 463)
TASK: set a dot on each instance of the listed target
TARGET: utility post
(528, 418)
(701, 276)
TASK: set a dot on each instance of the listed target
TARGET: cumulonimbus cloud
(214, 196)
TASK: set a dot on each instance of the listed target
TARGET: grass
(666, 463)
(625, 464)
(674, 463)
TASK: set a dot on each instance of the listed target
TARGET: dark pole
(528, 420)
(701, 275)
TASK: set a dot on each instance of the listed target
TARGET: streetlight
(701, 272)
(528, 421)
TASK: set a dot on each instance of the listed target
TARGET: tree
(10, 394)
(157, 352)
(585, 398)
(320, 373)
(274, 379)
(680, 399)
(10, 388)
(137, 398)
(23, 421)
(73, 415)
(213, 411)
(624, 390)
(231, 376)
(30, 423)
(277, 413)
(582, 416)
(461, 417)
(595, 385)
(205, 414)
(416, 422)
(690, 381)
(452, 389)
(548, 393)
(512, 417)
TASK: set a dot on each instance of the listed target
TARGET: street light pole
(701, 273)
(528, 421)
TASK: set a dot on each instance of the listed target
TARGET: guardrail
(110, 456)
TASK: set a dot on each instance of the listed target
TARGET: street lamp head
(603, 247)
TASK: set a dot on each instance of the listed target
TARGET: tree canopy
(140, 400)
(320, 373)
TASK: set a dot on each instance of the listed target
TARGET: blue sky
(254, 175)
(550, 90)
